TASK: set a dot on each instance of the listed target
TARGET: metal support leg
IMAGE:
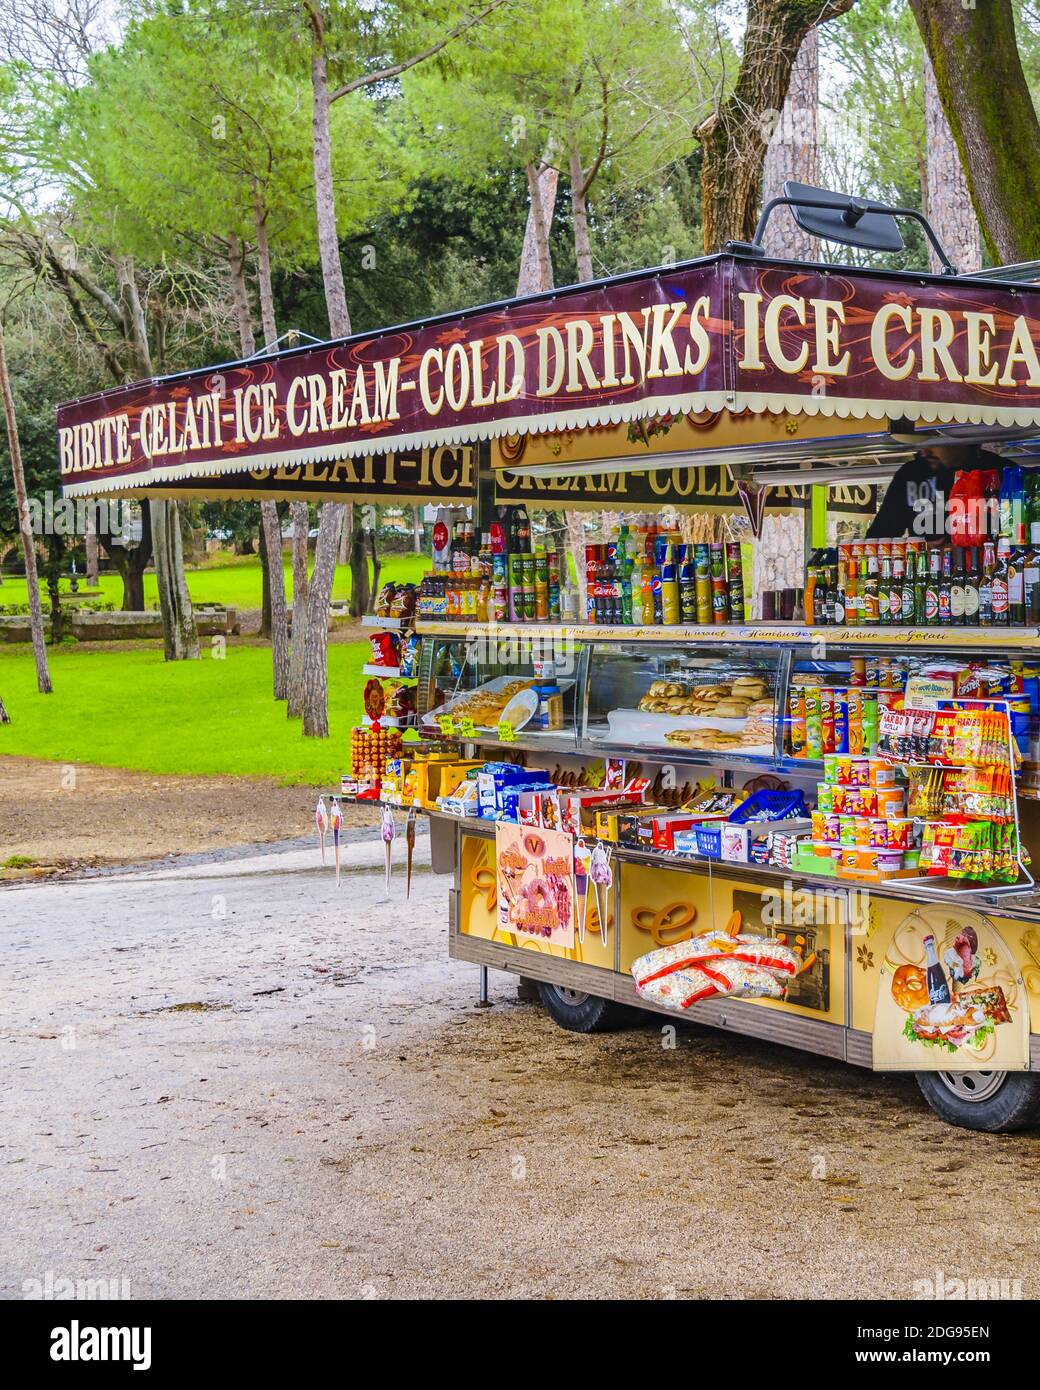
(483, 1001)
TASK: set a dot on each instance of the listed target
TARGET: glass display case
(508, 691)
(684, 701)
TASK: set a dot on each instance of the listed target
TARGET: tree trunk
(240, 295)
(90, 545)
(793, 153)
(539, 221)
(530, 279)
(263, 273)
(279, 611)
(324, 190)
(417, 530)
(315, 664)
(580, 218)
(132, 563)
(180, 632)
(301, 524)
(265, 584)
(377, 565)
(54, 596)
(315, 675)
(984, 93)
(273, 613)
(272, 529)
(733, 138)
(948, 200)
(32, 585)
(359, 590)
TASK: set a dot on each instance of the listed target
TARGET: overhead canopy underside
(734, 360)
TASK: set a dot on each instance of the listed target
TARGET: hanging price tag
(467, 728)
(506, 732)
(446, 725)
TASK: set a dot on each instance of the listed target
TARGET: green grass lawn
(234, 582)
(132, 709)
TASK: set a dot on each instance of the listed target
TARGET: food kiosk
(662, 781)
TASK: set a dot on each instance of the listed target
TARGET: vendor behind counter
(917, 502)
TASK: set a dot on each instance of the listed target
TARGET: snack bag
(385, 647)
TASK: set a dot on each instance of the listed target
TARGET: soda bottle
(687, 587)
(669, 588)
(935, 977)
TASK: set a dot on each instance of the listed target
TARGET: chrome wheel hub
(973, 1086)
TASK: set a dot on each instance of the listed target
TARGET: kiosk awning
(725, 334)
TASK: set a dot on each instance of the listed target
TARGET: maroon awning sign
(721, 334)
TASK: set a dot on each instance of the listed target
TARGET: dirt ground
(232, 1080)
(119, 817)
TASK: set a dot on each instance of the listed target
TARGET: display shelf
(388, 672)
(385, 624)
(1024, 898)
(948, 638)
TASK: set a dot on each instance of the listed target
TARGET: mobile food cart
(786, 792)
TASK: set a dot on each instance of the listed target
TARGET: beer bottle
(1031, 584)
(946, 587)
(971, 587)
(957, 587)
(909, 613)
(1016, 588)
(1000, 595)
(884, 594)
(852, 594)
(895, 594)
(1033, 509)
(931, 593)
(986, 584)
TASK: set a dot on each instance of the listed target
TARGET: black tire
(996, 1102)
(584, 1013)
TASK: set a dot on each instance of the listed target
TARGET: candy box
(635, 829)
(740, 842)
(540, 807)
(572, 803)
(663, 828)
(509, 799)
(462, 803)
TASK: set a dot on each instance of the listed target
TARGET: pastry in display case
(687, 699)
(515, 694)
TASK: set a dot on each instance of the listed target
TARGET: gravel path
(229, 1079)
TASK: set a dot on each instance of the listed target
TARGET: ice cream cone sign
(388, 830)
(602, 876)
(582, 859)
(321, 821)
(336, 822)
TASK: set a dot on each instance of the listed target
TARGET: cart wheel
(585, 1013)
(995, 1101)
